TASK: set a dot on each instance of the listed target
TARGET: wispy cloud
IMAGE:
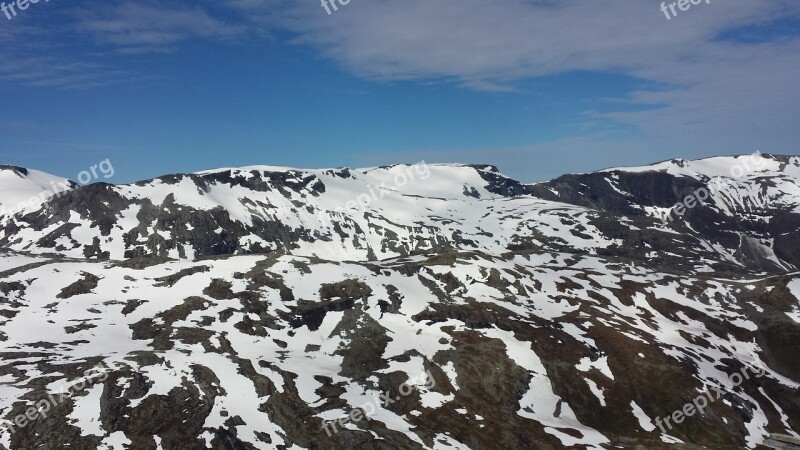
(35, 56)
(504, 40)
(140, 27)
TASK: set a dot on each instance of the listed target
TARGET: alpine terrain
(404, 307)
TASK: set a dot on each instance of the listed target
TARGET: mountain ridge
(262, 209)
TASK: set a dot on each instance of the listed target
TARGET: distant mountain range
(749, 222)
(243, 308)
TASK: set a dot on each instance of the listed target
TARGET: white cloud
(140, 27)
(31, 56)
(711, 93)
(503, 40)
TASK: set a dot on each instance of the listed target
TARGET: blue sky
(539, 88)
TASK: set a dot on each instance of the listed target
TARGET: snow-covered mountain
(333, 214)
(373, 214)
(27, 189)
(247, 308)
(746, 208)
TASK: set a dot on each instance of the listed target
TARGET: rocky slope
(449, 308)
(747, 207)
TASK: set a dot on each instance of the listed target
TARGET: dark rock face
(634, 190)
(101, 205)
(83, 286)
(751, 227)
(20, 171)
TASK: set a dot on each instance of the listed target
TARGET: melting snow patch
(670, 439)
(644, 420)
(86, 413)
(596, 391)
(601, 365)
(115, 441)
